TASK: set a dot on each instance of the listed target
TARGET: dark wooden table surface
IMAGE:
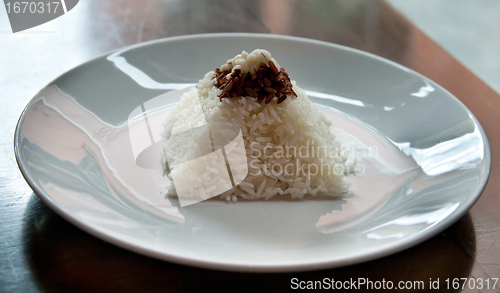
(39, 251)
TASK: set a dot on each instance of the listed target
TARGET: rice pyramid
(248, 131)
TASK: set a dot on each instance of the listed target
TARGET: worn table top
(41, 251)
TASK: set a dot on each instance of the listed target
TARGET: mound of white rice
(289, 147)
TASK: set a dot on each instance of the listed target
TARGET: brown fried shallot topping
(267, 83)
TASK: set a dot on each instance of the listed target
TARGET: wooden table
(41, 251)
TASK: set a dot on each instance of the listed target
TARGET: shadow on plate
(66, 259)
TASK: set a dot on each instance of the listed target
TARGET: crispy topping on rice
(257, 75)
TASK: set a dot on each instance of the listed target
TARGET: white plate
(432, 162)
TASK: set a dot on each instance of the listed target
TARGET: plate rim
(382, 251)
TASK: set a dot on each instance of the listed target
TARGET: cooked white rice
(295, 124)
